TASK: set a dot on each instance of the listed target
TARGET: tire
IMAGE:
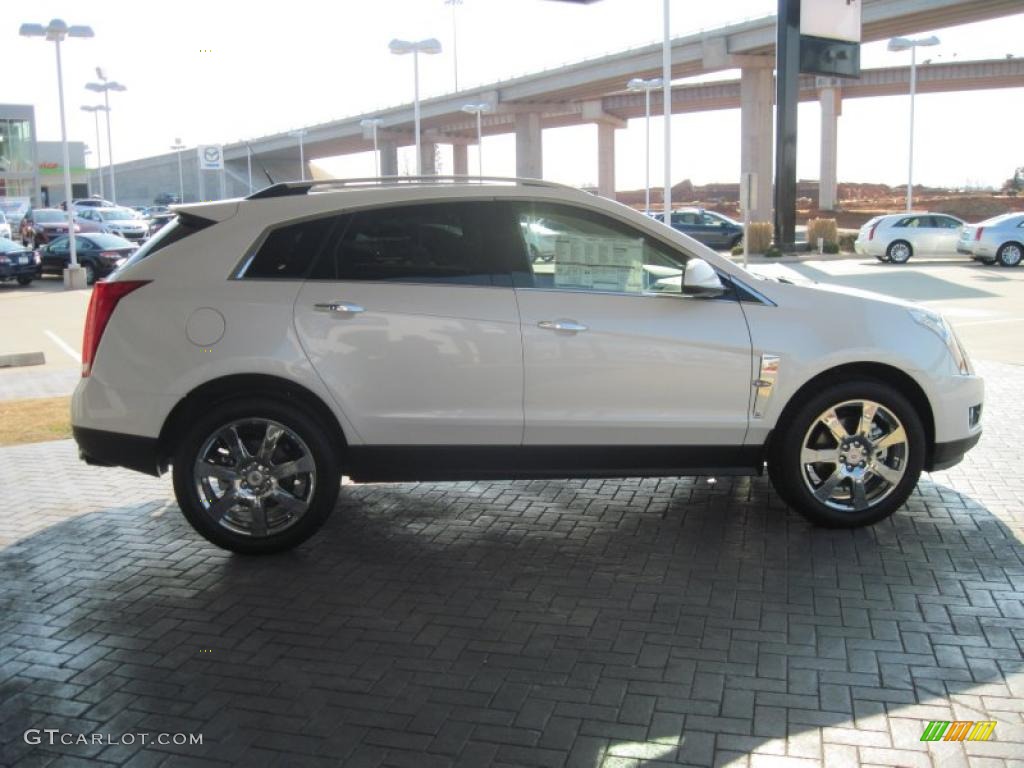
(90, 273)
(1010, 254)
(738, 240)
(217, 496)
(885, 479)
(899, 251)
(25, 280)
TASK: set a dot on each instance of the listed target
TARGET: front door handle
(340, 308)
(570, 326)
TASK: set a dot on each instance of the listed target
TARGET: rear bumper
(946, 455)
(11, 271)
(115, 449)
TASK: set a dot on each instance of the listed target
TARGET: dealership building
(34, 169)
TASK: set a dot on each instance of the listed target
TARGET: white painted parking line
(67, 348)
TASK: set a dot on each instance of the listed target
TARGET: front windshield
(117, 214)
(49, 216)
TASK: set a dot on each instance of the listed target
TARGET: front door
(415, 330)
(615, 355)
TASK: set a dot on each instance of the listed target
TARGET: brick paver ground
(583, 623)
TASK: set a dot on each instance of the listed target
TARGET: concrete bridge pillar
(460, 159)
(427, 155)
(606, 160)
(756, 88)
(831, 101)
(388, 158)
(529, 150)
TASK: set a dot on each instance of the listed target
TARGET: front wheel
(850, 455)
(1010, 255)
(24, 280)
(256, 476)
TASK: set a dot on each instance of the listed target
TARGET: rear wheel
(256, 476)
(899, 252)
(24, 280)
(1010, 255)
(850, 455)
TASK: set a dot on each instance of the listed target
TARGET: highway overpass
(593, 91)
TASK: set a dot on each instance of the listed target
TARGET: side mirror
(700, 279)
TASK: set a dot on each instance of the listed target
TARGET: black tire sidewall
(304, 424)
(788, 473)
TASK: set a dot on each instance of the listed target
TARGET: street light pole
(455, 40)
(478, 110)
(401, 47)
(902, 44)
(300, 134)
(99, 152)
(177, 146)
(637, 84)
(373, 123)
(666, 82)
(55, 32)
(105, 86)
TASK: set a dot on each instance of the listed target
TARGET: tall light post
(666, 84)
(300, 134)
(903, 44)
(55, 32)
(638, 84)
(455, 40)
(177, 146)
(373, 123)
(478, 110)
(105, 86)
(99, 152)
(400, 48)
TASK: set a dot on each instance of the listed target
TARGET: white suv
(400, 330)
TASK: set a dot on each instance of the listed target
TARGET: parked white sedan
(898, 236)
(999, 239)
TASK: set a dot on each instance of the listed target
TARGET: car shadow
(527, 622)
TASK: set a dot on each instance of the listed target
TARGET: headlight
(938, 325)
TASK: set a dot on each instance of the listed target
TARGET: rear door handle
(570, 326)
(340, 308)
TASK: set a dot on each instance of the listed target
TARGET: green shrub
(737, 250)
(830, 247)
(846, 243)
(773, 252)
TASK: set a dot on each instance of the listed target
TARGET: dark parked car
(158, 220)
(712, 229)
(17, 262)
(41, 225)
(166, 198)
(98, 253)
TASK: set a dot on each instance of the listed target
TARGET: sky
(217, 72)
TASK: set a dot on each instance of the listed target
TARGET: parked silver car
(898, 236)
(999, 239)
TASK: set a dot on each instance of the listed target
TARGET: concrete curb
(19, 359)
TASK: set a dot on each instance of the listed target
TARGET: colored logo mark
(958, 730)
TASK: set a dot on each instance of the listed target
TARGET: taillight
(109, 254)
(871, 234)
(101, 306)
(977, 233)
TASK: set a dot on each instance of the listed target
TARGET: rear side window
(427, 243)
(288, 252)
(182, 227)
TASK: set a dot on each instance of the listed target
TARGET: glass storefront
(18, 174)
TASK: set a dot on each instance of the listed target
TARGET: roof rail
(288, 188)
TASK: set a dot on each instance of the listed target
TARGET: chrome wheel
(854, 455)
(899, 252)
(1010, 255)
(255, 477)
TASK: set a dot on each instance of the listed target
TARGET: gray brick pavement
(583, 623)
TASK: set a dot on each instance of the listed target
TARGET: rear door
(413, 325)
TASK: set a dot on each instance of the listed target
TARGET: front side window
(576, 249)
(426, 243)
